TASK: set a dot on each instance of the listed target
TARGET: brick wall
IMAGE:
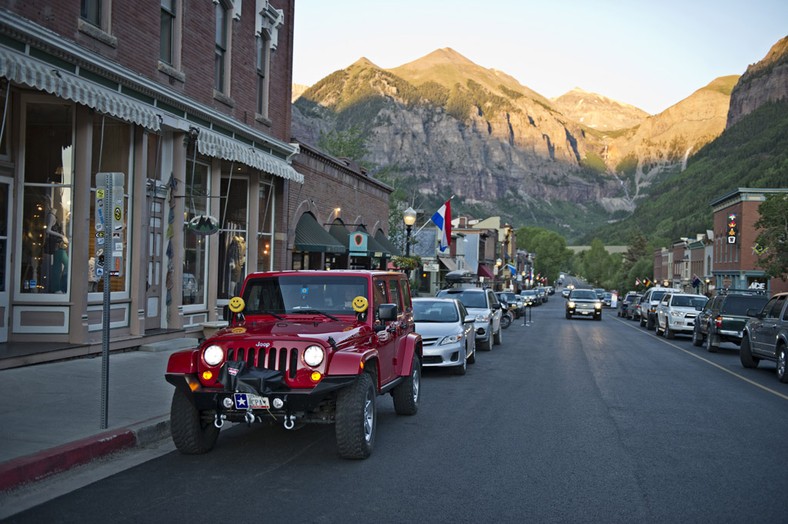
(134, 28)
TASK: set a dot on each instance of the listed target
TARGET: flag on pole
(442, 219)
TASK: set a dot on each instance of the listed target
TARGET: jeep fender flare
(408, 346)
(350, 362)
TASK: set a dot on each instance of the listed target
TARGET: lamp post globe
(409, 217)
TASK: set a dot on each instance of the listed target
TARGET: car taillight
(718, 321)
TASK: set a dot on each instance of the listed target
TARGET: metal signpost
(110, 228)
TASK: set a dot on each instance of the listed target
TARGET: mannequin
(56, 251)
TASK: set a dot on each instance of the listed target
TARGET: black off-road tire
(745, 354)
(406, 396)
(669, 332)
(191, 433)
(650, 323)
(598, 316)
(356, 418)
(568, 315)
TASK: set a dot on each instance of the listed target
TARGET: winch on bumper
(259, 395)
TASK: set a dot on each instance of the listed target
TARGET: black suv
(723, 318)
(765, 336)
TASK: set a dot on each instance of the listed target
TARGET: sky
(650, 54)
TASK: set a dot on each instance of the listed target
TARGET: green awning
(310, 236)
(386, 243)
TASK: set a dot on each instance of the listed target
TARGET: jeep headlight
(213, 355)
(451, 339)
(571, 304)
(314, 355)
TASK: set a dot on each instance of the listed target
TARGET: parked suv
(723, 319)
(484, 306)
(765, 336)
(676, 313)
(302, 346)
(648, 305)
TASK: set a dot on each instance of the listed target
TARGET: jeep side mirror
(387, 312)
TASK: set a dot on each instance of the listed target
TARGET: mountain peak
(363, 62)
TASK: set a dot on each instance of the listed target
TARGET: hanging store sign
(733, 229)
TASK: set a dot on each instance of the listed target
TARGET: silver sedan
(447, 333)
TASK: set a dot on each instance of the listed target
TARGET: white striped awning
(212, 144)
(23, 69)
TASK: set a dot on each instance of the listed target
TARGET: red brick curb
(37, 466)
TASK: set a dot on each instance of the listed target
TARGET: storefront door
(6, 204)
(153, 292)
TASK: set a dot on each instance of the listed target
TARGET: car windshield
(740, 305)
(469, 298)
(656, 296)
(434, 311)
(528, 293)
(687, 301)
(293, 294)
(583, 294)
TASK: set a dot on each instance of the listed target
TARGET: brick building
(189, 103)
(735, 262)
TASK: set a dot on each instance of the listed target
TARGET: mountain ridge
(443, 124)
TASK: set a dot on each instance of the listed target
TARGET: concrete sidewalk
(52, 413)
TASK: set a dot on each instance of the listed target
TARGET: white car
(676, 313)
(484, 306)
(447, 333)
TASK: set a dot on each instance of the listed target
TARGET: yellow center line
(741, 377)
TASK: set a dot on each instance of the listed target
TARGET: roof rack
(747, 291)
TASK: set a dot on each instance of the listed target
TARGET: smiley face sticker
(236, 304)
(360, 304)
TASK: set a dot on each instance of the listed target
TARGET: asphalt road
(566, 421)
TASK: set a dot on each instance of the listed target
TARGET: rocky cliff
(442, 125)
(763, 82)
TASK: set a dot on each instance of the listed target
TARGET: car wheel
(745, 354)
(472, 357)
(598, 316)
(650, 323)
(356, 418)
(710, 347)
(498, 337)
(781, 363)
(406, 395)
(568, 315)
(506, 321)
(668, 332)
(192, 433)
(697, 338)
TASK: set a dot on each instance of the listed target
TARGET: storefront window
(233, 217)
(265, 235)
(195, 261)
(111, 154)
(46, 208)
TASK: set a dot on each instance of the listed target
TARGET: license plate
(247, 400)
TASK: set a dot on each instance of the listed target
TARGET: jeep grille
(281, 359)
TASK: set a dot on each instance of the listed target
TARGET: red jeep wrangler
(302, 346)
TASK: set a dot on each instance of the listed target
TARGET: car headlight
(213, 355)
(314, 355)
(483, 317)
(676, 314)
(570, 304)
(597, 305)
(451, 339)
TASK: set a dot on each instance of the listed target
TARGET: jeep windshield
(303, 294)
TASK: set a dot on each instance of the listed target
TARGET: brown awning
(484, 271)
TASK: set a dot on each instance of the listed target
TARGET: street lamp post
(409, 217)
